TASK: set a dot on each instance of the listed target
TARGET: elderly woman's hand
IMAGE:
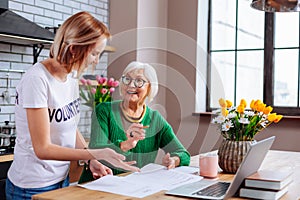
(170, 162)
(134, 134)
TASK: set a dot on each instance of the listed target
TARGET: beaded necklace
(133, 119)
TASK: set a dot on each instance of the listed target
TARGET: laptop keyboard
(216, 190)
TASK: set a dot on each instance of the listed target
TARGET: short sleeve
(34, 92)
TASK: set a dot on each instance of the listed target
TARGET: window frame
(268, 70)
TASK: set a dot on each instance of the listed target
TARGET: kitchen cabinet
(75, 171)
(4, 166)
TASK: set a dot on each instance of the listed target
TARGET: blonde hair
(149, 73)
(81, 31)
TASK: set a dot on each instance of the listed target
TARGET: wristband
(87, 164)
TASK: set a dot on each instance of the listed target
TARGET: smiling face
(130, 92)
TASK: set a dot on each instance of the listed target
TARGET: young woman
(132, 128)
(47, 113)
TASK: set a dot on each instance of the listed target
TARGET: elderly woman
(133, 129)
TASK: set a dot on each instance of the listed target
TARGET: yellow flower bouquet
(241, 124)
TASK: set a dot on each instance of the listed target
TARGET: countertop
(5, 158)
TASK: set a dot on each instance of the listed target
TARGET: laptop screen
(250, 164)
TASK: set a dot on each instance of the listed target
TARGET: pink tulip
(89, 82)
(111, 90)
(111, 82)
(93, 90)
(98, 77)
(103, 90)
(115, 84)
(83, 81)
(102, 80)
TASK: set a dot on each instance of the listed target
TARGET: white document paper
(119, 185)
(152, 178)
(187, 169)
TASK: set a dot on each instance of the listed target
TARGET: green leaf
(82, 94)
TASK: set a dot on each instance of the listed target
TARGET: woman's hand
(134, 134)
(98, 169)
(170, 162)
(113, 158)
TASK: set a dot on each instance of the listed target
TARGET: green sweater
(107, 131)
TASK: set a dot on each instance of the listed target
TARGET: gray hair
(149, 73)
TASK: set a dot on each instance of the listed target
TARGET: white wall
(166, 37)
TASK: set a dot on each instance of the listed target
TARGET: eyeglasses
(138, 82)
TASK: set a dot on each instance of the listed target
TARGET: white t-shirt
(39, 89)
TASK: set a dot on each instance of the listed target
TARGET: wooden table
(273, 160)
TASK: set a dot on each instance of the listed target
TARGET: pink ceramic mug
(208, 165)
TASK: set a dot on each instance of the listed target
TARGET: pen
(146, 126)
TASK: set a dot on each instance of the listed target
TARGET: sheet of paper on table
(152, 178)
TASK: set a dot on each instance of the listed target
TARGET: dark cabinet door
(4, 166)
(2, 189)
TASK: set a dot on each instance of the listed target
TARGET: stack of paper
(152, 178)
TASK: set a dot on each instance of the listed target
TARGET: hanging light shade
(276, 5)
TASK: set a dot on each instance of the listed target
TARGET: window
(286, 62)
(250, 54)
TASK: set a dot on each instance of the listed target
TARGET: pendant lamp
(276, 5)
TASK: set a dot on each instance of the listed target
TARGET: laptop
(249, 165)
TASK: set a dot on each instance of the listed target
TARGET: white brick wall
(44, 4)
(33, 9)
(16, 57)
